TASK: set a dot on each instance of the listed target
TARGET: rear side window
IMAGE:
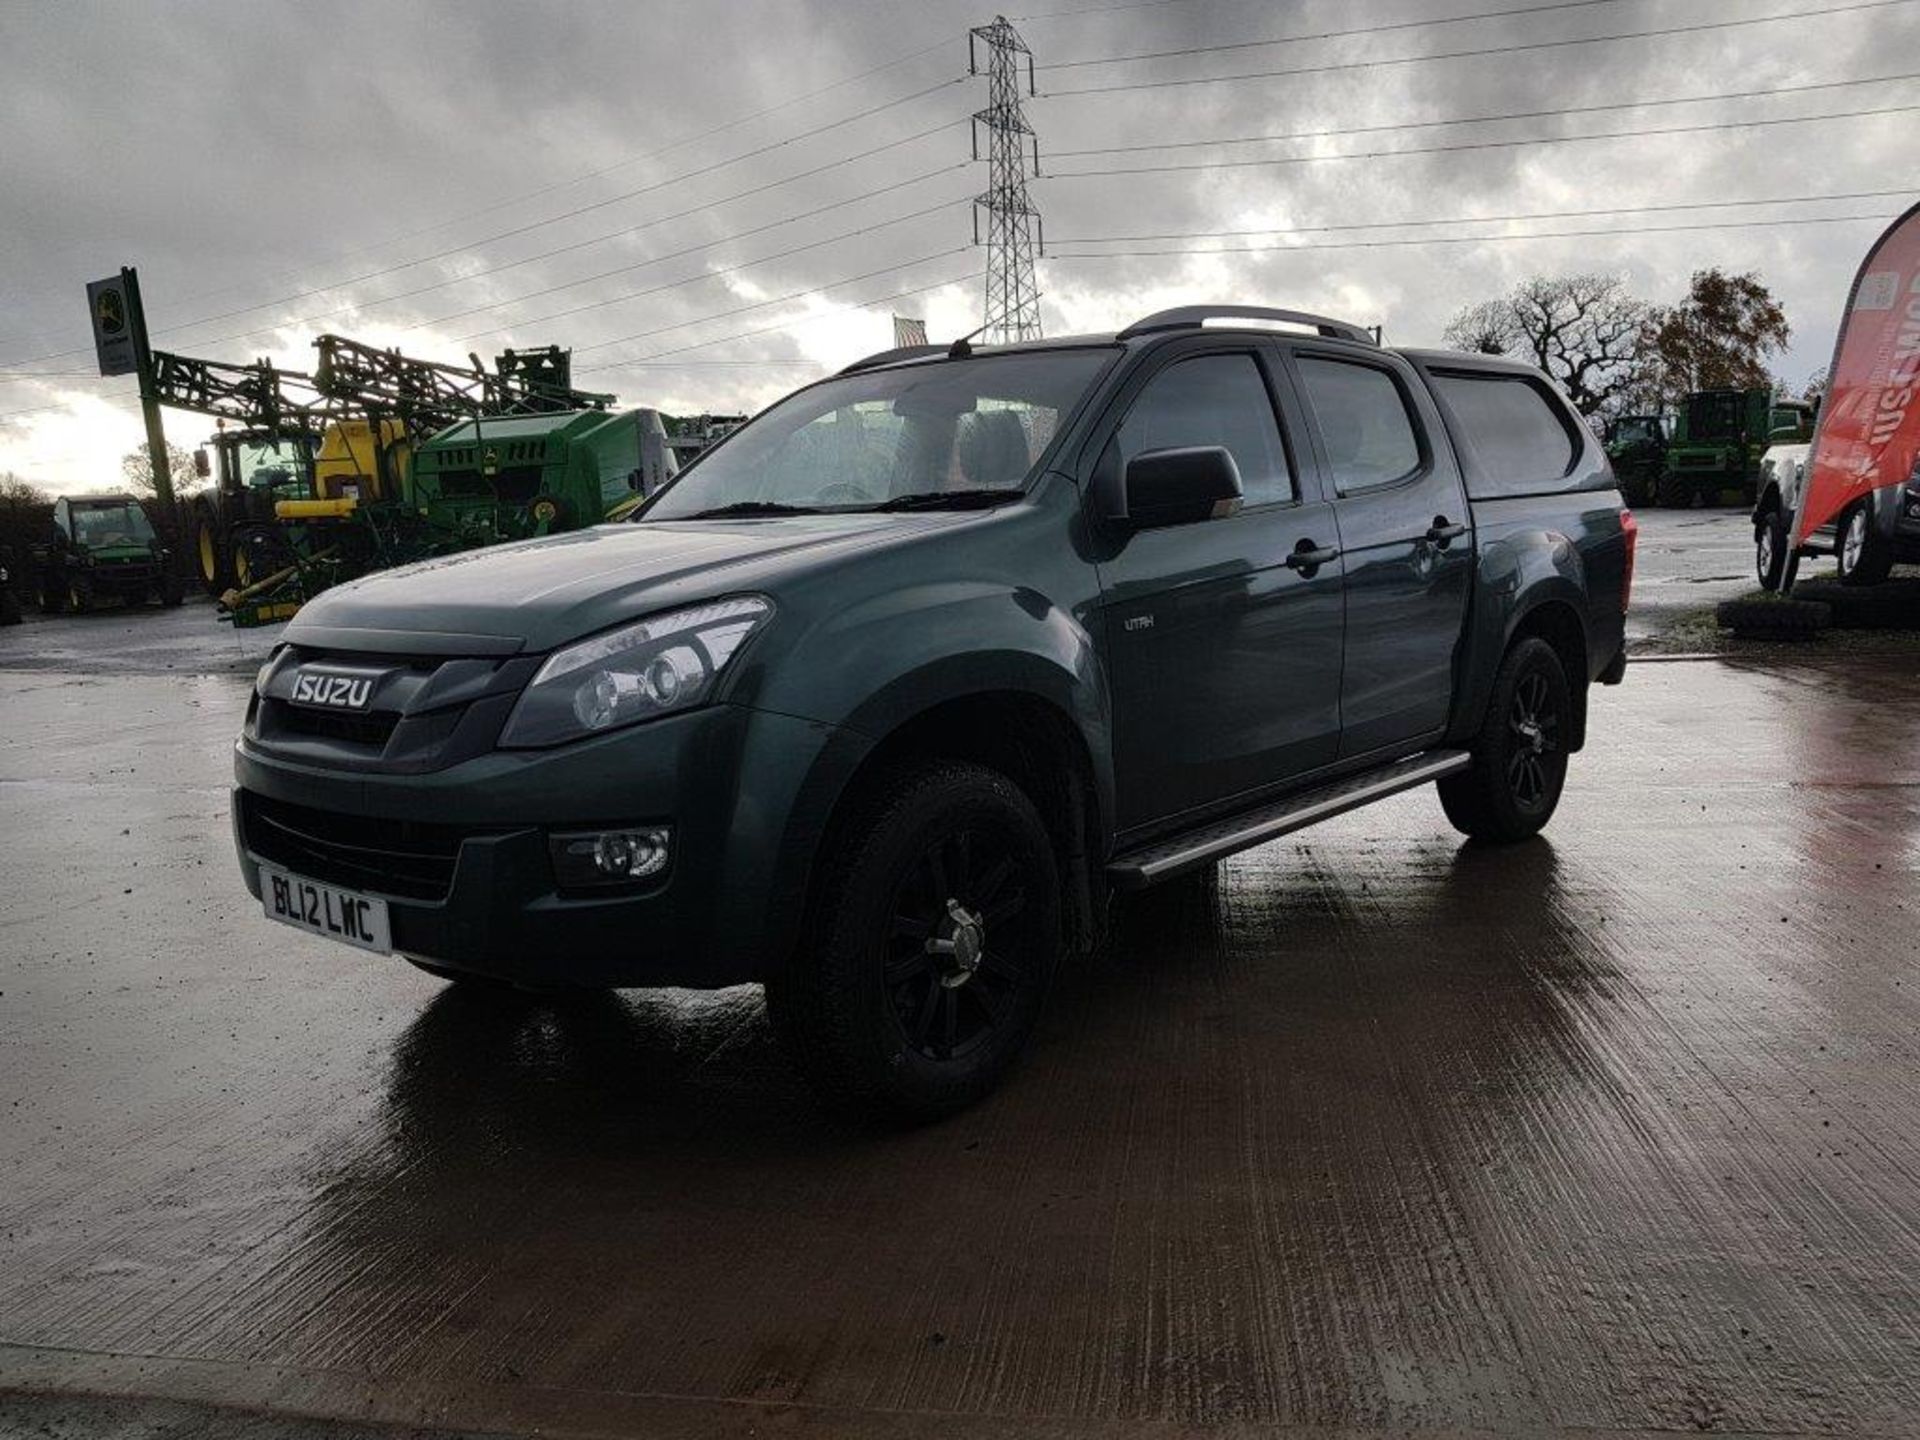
(1213, 400)
(1364, 425)
(1520, 436)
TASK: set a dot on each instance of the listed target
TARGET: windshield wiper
(977, 499)
(746, 507)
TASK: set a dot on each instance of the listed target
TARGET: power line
(495, 269)
(1326, 69)
(622, 164)
(1482, 219)
(1469, 239)
(775, 300)
(1483, 144)
(660, 355)
(1329, 34)
(678, 254)
(1487, 119)
(523, 229)
(541, 224)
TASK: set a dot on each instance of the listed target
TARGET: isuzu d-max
(884, 696)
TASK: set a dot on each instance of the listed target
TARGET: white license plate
(342, 915)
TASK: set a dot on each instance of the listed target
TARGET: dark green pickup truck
(885, 695)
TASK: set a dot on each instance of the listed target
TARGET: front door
(1405, 536)
(1223, 647)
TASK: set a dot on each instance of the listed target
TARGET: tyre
(1520, 756)
(1892, 605)
(210, 552)
(1675, 492)
(1771, 548)
(930, 943)
(79, 594)
(9, 607)
(1774, 618)
(50, 595)
(172, 590)
(1864, 556)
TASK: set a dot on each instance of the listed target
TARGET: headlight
(670, 662)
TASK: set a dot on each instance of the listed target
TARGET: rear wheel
(1520, 757)
(931, 944)
(1863, 553)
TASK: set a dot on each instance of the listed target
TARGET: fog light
(610, 857)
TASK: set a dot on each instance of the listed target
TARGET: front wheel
(1863, 553)
(9, 607)
(930, 946)
(1772, 548)
(1520, 757)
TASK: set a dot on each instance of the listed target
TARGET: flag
(1869, 432)
(907, 331)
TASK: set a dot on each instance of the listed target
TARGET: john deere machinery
(1720, 438)
(102, 547)
(1637, 446)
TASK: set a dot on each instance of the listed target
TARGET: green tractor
(478, 482)
(1720, 440)
(103, 547)
(1637, 446)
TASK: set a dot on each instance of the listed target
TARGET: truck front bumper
(461, 855)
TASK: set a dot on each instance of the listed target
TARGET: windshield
(271, 463)
(102, 526)
(1628, 431)
(954, 430)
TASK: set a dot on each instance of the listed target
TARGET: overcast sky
(278, 170)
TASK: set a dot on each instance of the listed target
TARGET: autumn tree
(1585, 331)
(1719, 337)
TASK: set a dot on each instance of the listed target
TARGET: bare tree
(1584, 330)
(136, 467)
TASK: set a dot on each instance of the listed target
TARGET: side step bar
(1162, 860)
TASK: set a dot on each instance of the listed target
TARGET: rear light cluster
(1630, 531)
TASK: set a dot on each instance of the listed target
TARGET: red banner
(1869, 432)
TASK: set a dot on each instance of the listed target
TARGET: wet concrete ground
(1613, 1132)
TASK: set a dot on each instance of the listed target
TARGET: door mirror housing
(1179, 487)
(1787, 433)
(202, 466)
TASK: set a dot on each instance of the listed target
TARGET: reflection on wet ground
(1614, 1130)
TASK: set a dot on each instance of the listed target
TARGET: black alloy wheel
(954, 968)
(931, 941)
(1519, 759)
(1537, 741)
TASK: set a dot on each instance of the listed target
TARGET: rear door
(1405, 538)
(1223, 646)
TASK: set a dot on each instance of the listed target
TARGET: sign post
(120, 342)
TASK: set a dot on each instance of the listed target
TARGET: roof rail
(1191, 317)
(887, 357)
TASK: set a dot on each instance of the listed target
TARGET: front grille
(371, 730)
(408, 858)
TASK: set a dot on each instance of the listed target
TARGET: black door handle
(1441, 531)
(1308, 557)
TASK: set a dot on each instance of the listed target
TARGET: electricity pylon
(1013, 231)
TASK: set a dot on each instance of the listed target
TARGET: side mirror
(1180, 487)
(202, 466)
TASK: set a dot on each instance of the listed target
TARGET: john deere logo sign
(113, 339)
(110, 312)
